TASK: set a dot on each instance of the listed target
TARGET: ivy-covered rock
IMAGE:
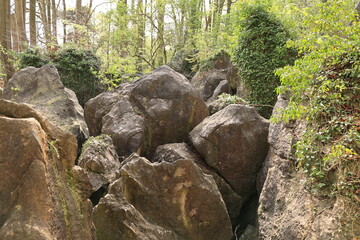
(259, 51)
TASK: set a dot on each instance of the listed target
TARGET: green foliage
(76, 68)
(227, 99)
(32, 57)
(260, 50)
(325, 88)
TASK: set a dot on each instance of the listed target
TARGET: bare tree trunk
(20, 23)
(161, 20)
(77, 20)
(5, 39)
(53, 21)
(141, 34)
(32, 19)
(45, 20)
(64, 23)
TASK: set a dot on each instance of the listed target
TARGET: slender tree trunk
(53, 21)
(161, 20)
(77, 19)
(5, 39)
(32, 19)
(64, 23)
(141, 34)
(44, 18)
(20, 23)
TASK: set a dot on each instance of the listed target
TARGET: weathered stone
(42, 89)
(234, 142)
(159, 108)
(207, 81)
(177, 151)
(36, 198)
(100, 160)
(162, 201)
(214, 71)
(223, 87)
(286, 209)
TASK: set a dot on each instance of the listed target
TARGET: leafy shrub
(228, 99)
(260, 50)
(324, 86)
(33, 57)
(77, 69)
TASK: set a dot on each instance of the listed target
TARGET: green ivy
(33, 57)
(77, 71)
(260, 50)
(325, 87)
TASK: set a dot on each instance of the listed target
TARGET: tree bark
(64, 22)
(53, 21)
(20, 24)
(45, 20)
(5, 40)
(32, 20)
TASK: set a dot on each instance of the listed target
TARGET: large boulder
(37, 201)
(176, 151)
(159, 108)
(212, 73)
(100, 160)
(234, 142)
(162, 201)
(43, 90)
(286, 209)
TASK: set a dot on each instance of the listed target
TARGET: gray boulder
(43, 90)
(223, 87)
(181, 151)
(234, 142)
(100, 160)
(159, 108)
(206, 82)
(162, 201)
(286, 209)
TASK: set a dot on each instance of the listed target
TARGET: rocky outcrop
(159, 108)
(217, 70)
(177, 151)
(222, 87)
(234, 142)
(162, 201)
(100, 160)
(37, 196)
(42, 89)
(286, 209)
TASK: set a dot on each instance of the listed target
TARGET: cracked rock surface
(234, 142)
(159, 108)
(286, 209)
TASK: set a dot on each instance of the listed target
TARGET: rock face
(217, 70)
(234, 142)
(207, 82)
(286, 210)
(100, 160)
(42, 89)
(36, 198)
(159, 108)
(162, 201)
(177, 151)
